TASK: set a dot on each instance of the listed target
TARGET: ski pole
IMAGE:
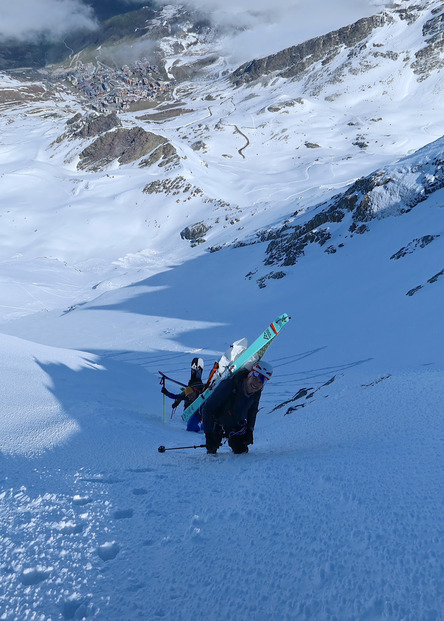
(162, 449)
(162, 382)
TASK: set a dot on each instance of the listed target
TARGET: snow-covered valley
(114, 272)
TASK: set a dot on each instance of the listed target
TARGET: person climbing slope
(230, 412)
(190, 393)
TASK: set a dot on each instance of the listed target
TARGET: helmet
(197, 363)
(264, 368)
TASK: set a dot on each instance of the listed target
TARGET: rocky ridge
(317, 54)
(384, 193)
(295, 60)
(113, 142)
(126, 146)
(429, 58)
(91, 125)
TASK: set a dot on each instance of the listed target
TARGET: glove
(164, 391)
(248, 436)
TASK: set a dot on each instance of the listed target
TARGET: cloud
(253, 28)
(125, 54)
(28, 19)
(260, 27)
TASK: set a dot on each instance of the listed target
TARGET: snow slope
(336, 512)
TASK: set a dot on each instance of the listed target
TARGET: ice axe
(162, 449)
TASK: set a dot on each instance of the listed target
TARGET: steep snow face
(341, 496)
(32, 422)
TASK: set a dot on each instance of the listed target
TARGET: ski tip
(284, 317)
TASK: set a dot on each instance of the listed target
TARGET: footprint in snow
(35, 575)
(108, 551)
(140, 491)
(123, 514)
(75, 606)
(148, 542)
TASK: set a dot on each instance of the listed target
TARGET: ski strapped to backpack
(252, 354)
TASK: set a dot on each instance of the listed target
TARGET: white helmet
(197, 363)
(264, 368)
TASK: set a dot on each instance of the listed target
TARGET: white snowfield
(336, 513)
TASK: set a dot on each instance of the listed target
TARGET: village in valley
(115, 89)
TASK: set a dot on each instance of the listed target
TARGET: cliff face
(429, 58)
(293, 61)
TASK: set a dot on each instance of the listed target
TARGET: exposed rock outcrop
(173, 186)
(293, 61)
(92, 125)
(390, 192)
(429, 58)
(420, 242)
(163, 155)
(123, 145)
(195, 233)
(88, 126)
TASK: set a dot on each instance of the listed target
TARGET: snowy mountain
(308, 181)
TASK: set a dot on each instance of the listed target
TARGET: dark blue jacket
(230, 406)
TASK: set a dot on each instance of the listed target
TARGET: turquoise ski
(255, 351)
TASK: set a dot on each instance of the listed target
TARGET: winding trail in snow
(240, 151)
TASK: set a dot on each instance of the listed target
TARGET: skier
(190, 393)
(230, 412)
